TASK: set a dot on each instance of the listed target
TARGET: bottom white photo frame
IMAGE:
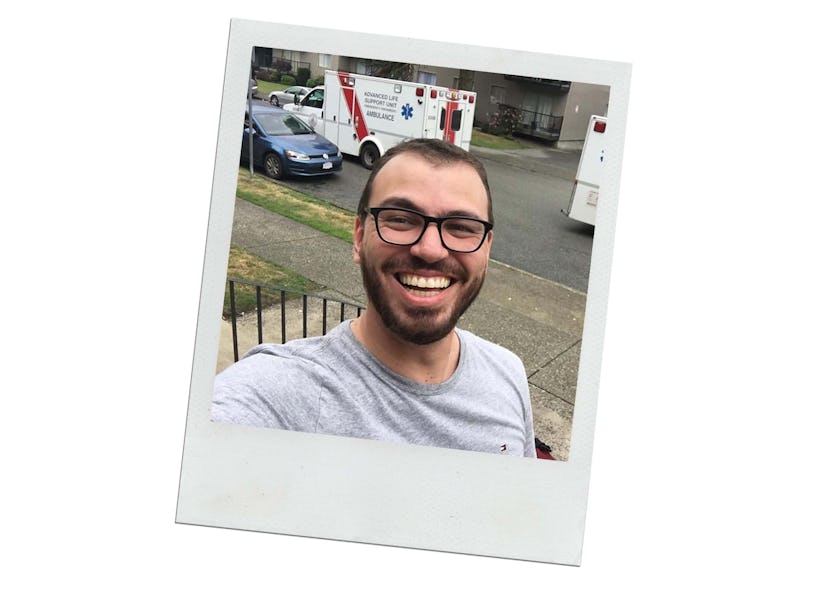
(377, 492)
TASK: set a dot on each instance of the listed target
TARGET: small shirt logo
(503, 448)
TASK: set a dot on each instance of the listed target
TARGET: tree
(392, 69)
(465, 80)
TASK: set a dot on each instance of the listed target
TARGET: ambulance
(365, 115)
(584, 199)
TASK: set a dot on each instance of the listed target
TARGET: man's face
(420, 291)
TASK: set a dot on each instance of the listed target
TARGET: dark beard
(422, 326)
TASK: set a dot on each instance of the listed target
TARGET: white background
(710, 449)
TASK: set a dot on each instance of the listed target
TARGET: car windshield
(282, 124)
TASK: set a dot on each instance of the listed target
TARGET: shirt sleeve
(268, 391)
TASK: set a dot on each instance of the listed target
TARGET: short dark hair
(435, 151)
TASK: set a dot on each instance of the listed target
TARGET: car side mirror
(296, 99)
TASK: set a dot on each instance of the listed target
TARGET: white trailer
(584, 200)
(365, 115)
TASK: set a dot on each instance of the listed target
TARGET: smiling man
(402, 371)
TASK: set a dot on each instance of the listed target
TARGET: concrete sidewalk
(538, 320)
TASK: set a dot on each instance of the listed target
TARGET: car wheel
(274, 100)
(273, 166)
(368, 154)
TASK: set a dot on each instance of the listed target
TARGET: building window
(325, 60)
(498, 95)
(426, 77)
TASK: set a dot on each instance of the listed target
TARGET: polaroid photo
(550, 132)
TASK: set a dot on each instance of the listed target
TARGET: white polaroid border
(385, 493)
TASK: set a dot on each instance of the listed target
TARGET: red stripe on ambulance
(451, 107)
(353, 106)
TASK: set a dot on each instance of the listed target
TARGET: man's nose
(430, 247)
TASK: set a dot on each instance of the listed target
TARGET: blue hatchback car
(284, 144)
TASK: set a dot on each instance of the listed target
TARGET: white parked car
(287, 96)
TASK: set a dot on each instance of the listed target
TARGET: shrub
(288, 80)
(505, 120)
(283, 65)
(302, 75)
(318, 81)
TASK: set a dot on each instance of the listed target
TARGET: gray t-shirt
(333, 385)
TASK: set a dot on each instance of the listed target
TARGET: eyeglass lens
(405, 228)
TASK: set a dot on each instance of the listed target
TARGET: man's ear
(488, 245)
(359, 232)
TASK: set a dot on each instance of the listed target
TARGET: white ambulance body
(584, 200)
(365, 116)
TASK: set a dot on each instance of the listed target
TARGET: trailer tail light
(600, 126)
(433, 93)
(420, 92)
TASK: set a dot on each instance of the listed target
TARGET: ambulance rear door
(584, 200)
(455, 117)
(344, 118)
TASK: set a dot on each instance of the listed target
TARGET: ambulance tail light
(471, 99)
(421, 92)
(600, 126)
(433, 93)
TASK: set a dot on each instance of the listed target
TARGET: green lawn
(496, 142)
(280, 199)
(292, 204)
(266, 87)
(249, 267)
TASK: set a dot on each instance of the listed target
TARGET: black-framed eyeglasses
(404, 227)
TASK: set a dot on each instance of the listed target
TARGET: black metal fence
(316, 314)
(540, 124)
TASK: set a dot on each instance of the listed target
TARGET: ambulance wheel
(368, 155)
(273, 166)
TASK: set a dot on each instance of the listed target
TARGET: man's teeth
(425, 282)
